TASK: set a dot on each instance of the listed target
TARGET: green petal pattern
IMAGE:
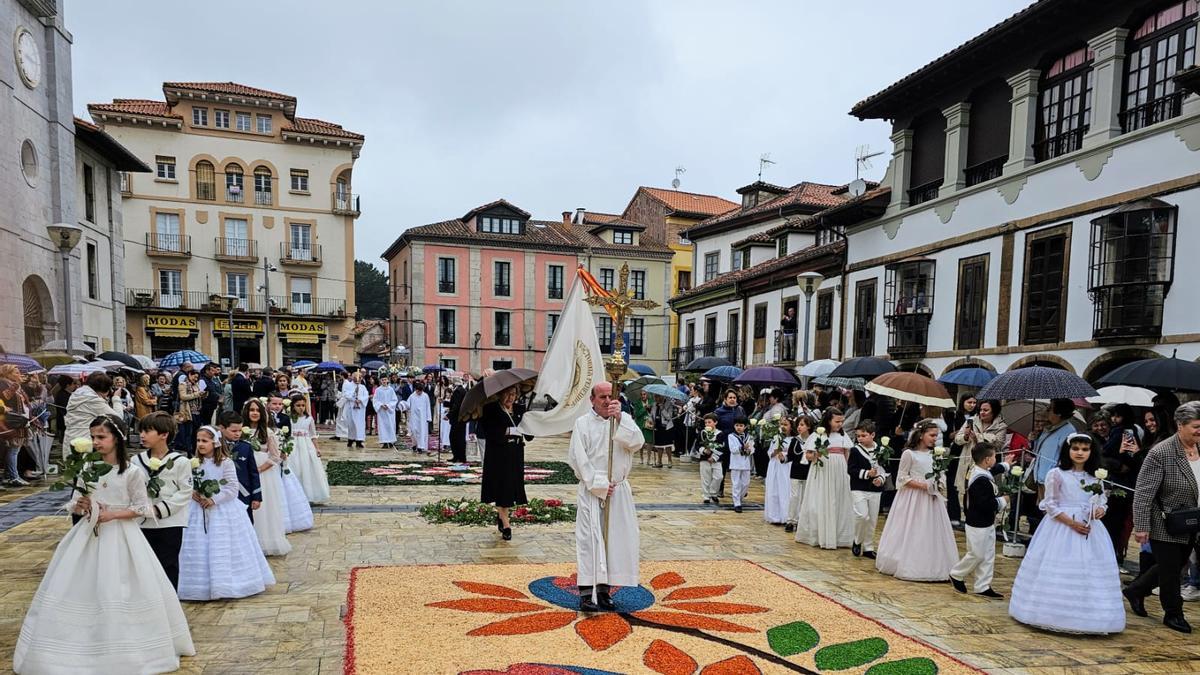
(851, 654)
(792, 638)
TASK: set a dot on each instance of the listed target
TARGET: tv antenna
(763, 162)
(862, 159)
(679, 171)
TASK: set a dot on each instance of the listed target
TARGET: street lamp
(808, 283)
(478, 337)
(231, 301)
(266, 290)
(66, 236)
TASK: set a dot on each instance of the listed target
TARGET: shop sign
(157, 321)
(239, 325)
(294, 326)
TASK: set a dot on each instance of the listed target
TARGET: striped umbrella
(24, 363)
(176, 359)
(843, 382)
(911, 387)
(1036, 382)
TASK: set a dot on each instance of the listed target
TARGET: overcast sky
(551, 104)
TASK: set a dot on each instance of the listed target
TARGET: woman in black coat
(504, 461)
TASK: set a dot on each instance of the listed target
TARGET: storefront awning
(302, 339)
(172, 332)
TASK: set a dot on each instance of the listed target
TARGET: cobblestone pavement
(295, 627)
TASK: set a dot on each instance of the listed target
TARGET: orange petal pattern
(524, 625)
(737, 665)
(696, 592)
(491, 605)
(667, 659)
(666, 580)
(693, 621)
(602, 630)
(718, 607)
(490, 589)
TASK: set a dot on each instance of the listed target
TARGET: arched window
(1065, 105)
(1164, 44)
(234, 184)
(262, 186)
(206, 180)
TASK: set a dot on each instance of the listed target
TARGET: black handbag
(1181, 522)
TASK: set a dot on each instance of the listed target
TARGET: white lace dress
(297, 514)
(1067, 582)
(827, 513)
(305, 464)
(105, 605)
(270, 519)
(917, 543)
(778, 486)
(221, 556)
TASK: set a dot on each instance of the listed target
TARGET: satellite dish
(857, 187)
(675, 183)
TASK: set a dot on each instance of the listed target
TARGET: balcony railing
(787, 347)
(502, 290)
(292, 253)
(263, 198)
(445, 287)
(346, 204)
(503, 339)
(170, 245)
(245, 250)
(728, 350)
(235, 194)
(908, 334)
(204, 301)
(1128, 310)
(984, 171)
(924, 193)
(1067, 141)
(206, 190)
(556, 292)
(1153, 112)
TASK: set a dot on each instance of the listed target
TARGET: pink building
(481, 291)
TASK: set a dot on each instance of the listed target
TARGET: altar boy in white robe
(419, 414)
(355, 408)
(600, 568)
(386, 401)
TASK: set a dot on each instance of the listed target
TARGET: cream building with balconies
(249, 205)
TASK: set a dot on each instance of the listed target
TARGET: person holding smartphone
(1123, 456)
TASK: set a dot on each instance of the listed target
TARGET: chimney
(566, 217)
(579, 215)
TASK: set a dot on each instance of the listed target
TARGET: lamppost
(66, 236)
(808, 283)
(231, 301)
(266, 290)
(475, 348)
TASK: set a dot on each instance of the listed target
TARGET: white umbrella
(113, 366)
(77, 369)
(818, 368)
(147, 362)
(1137, 397)
(61, 346)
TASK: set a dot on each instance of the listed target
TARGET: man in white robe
(385, 401)
(355, 407)
(601, 487)
(419, 415)
(339, 424)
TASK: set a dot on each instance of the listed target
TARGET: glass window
(166, 167)
(234, 183)
(555, 282)
(551, 326)
(908, 306)
(199, 117)
(243, 121)
(622, 236)
(299, 180)
(302, 295)
(170, 288)
(972, 299)
(264, 123)
(221, 119)
(782, 244)
(604, 332)
(237, 238)
(93, 272)
(446, 269)
(301, 241)
(503, 278)
(89, 193)
(1065, 105)
(206, 180)
(638, 280)
(1162, 46)
(503, 337)
(607, 278)
(864, 318)
(1132, 267)
(637, 336)
(166, 232)
(262, 186)
(446, 327)
(1045, 264)
(450, 364)
(711, 263)
(683, 280)
(238, 283)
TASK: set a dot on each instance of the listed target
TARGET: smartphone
(1129, 435)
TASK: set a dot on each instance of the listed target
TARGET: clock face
(29, 58)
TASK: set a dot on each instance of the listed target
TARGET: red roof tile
(595, 217)
(135, 106)
(690, 202)
(817, 195)
(316, 127)
(765, 267)
(499, 202)
(586, 239)
(232, 88)
(758, 238)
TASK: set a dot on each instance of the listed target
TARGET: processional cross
(620, 304)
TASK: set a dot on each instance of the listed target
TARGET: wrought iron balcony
(204, 301)
(985, 171)
(1067, 141)
(168, 245)
(1153, 112)
(502, 290)
(263, 198)
(293, 253)
(787, 348)
(234, 194)
(728, 350)
(446, 287)
(556, 292)
(346, 204)
(1128, 310)
(908, 334)
(924, 193)
(236, 250)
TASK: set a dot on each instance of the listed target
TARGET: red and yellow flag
(594, 287)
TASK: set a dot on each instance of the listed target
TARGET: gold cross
(620, 305)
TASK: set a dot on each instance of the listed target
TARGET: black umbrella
(769, 376)
(122, 357)
(865, 367)
(705, 363)
(1036, 382)
(487, 389)
(1171, 374)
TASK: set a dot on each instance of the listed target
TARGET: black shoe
(989, 593)
(707, 501)
(349, 444)
(1177, 623)
(1136, 603)
(585, 600)
(499, 524)
(737, 509)
(506, 533)
(360, 444)
(869, 554)
(855, 550)
(958, 585)
(790, 527)
(716, 502)
(604, 601)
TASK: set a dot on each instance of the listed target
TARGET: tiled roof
(499, 202)
(232, 88)
(594, 242)
(367, 324)
(802, 224)
(595, 217)
(762, 185)
(313, 126)
(619, 223)
(550, 234)
(690, 202)
(758, 238)
(817, 195)
(135, 106)
(765, 267)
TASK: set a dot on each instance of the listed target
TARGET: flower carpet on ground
(346, 472)
(707, 617)
(464, 511)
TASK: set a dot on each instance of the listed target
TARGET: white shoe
(1155, 591)
(1190, 593)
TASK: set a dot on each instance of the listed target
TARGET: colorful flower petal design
(490, 589)
(697, 592)
(666, 659)
(602, 631)
(666, 580)
(737, 665)
(682, 620)
(489, 605)
(527, 624)
(717, 608)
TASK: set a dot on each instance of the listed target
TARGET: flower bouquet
(286, 445)
(767, 429)
(710, 443)
(206, 488)
(883, 453)
(821, 446)
(1011, 482)
(941, 463)
(82, 468)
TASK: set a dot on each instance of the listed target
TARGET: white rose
(753, 423)
(1018, 471)
(1101, 474)
(195, 462)
(885, 440)
(777, 416)
(463, 505)
(939, 451)
(285, 430)
(82, 445)
(820, 431)
(155, 463)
